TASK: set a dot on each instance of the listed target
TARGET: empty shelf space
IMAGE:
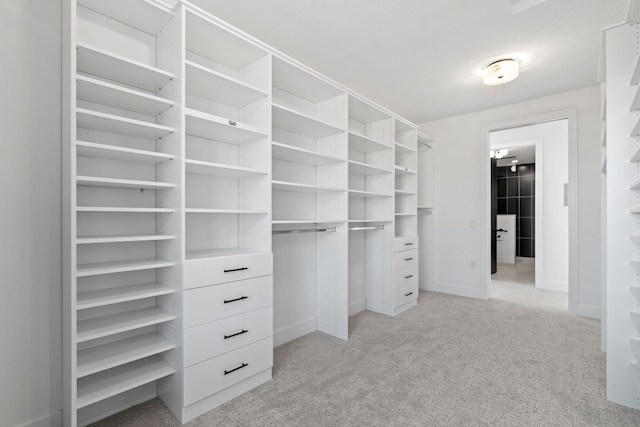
(112, 324)
(636, 129)
(94, 269)
(401, 170)
(636, 157)
(364, 144)
(224, 211)
(103, 122)
(117, 380)
(219, 253)
(95, 181)
(301, 124)
(635, 185)
(123, 209)
(635, 238)
(99, 92)
(303, 188)
(101, 63)
(101, 358)
(146, 16)
(635, 104)
(85, 240)
(290, 153)
(215, 169)
(359, 168)
(401, 148)
(368, 194)
(216, 128)
(114, 152)
(209, 84)
(635, 77)
(102, 297)
(635, 290)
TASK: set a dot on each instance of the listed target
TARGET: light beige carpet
(516, 360)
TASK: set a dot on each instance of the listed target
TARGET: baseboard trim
(357, 307)
(51, 420)
(590, 311)
(460, 291)
(506, 260)
(297, 330)
(550, 285)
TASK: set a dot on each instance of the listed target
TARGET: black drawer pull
(408, 244)
(236, 269)
(408, 259)
(244, 331)
(244, 365)
(227, 301)
(409, 276)
(410, 293)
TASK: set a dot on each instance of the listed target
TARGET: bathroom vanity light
(500, 71)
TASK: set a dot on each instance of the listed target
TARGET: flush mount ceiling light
(498, 154)
(501, 71)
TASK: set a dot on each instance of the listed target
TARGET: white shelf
(85, 240)
(400, 148)
(94, 181)
(124, 209)
(404, 214)
(365, 144)
(220, 253)
(114, 152)
(424, 207)
(112, 324)
(303, 188)
(100, 92)
(635, 185)
(404, 193)
(364, 112)
(635, 238)
(101, 358)
(223, 211)
(216, 169)
(100, 298)
(94, 269)
(636, 156)
(147, 16)
(368, 221)
(216, 128)
(106, 384)
(306, 221)
(209, 84)
(301, 124)
(603, 136)
(367, 194)
(635, 263)
(290, 153)
(360, 168)
(603, 166)
(636, 129)
(401, 170)
(98, 62)
(635, 77)
(103, 122)
(635, 290)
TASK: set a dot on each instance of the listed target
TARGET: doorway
(532, 228)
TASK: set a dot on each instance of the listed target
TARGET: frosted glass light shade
(501, 71)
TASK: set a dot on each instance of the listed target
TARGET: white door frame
(572, 197)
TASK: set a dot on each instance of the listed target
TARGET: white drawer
(215, 338)
(406, 287)
(211, 271)
(405, 243)
(204, 305)
(406, 259)
(209, 377)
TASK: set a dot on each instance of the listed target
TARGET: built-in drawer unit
(211, 376)
(215, 338)
(211, 271)
(212, 303)
(406, 259)
(406, 291)
(405, 243)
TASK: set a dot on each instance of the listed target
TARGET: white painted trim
(551, 285)
(51, 420)
(461, 291)
(357, 307)
(589, 311)
(485, 221)
(297, 330)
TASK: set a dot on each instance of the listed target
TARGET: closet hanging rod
(369, 227)
(305, 230)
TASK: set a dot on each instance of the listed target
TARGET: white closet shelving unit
(623, 222)
(309, 150)
(124, 230)
(426, 223)
(371, 215)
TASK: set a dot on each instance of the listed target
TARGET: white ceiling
(416, 57)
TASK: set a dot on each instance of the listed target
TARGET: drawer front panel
(212, 271)
(213, 375)
(215, 338)
(406, 243)
(406, 259)
(204, 305)
(406, 285)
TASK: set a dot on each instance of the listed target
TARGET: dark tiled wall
(516, 195)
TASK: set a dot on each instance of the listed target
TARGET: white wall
(459, 179)
(552, 172)
(30, 306)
